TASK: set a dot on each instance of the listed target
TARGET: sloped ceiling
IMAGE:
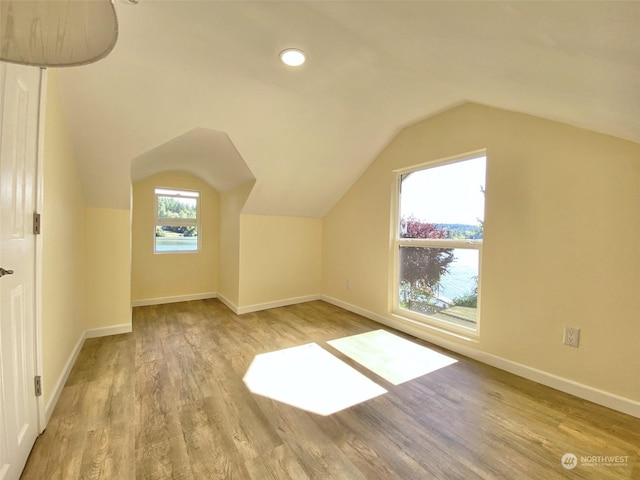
(306, 134)
(203, 152)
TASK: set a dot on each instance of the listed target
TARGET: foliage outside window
(176, 221)
(439, 243)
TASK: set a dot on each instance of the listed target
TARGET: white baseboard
(106, 331)
(601, 397)
(230, 305)
(175, 299)
(57, 389)
(278, 303)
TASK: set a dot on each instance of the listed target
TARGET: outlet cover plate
(571, 336)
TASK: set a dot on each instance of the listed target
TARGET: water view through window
(177, 221)
(172, 241)
(439, 241)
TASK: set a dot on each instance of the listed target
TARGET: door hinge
(36, 223)
(38, 384)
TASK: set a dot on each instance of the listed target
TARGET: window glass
(177, 220)
(440, 282)
(439, 242)
(449, 197)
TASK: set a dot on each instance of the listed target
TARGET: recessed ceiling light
(292, 57)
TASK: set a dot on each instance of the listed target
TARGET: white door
(19, 104)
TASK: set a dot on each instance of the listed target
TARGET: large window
(439, 243)
(178, 213)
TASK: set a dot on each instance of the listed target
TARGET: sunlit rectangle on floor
(394, 358)
(310, 378)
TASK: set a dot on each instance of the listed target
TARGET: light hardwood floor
(168, 402)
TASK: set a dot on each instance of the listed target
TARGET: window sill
(176, 252)
(433, 325)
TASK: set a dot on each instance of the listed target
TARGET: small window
(439, 243)
(177, 220)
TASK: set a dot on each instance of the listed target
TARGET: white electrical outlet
(571, 336)
(348, 285)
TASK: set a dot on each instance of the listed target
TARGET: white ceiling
(184, 76)
(203, 152)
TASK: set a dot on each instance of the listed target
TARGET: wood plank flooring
(168, 402)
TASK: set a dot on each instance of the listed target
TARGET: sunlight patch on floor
(310, 378)
(394, 358)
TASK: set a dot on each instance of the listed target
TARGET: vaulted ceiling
(198, 86)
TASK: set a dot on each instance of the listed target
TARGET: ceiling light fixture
(63, 33)
(292, 57)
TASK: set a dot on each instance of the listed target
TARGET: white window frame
(179, 193)
(398, 242)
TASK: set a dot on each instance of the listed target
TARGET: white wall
(231, 204)
(280, 260)
(561, 244)
(155, 277)
(63, 245)
(107, 273)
